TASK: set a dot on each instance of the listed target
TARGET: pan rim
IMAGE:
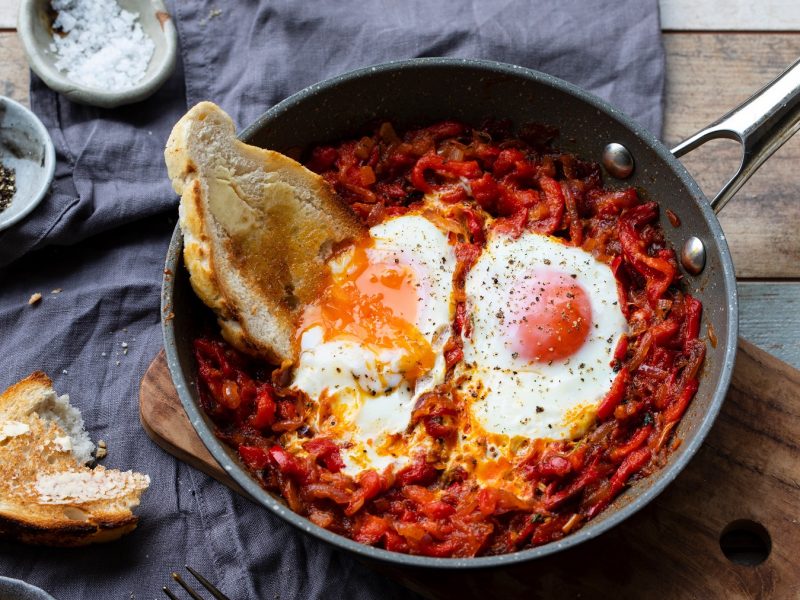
(657, 482)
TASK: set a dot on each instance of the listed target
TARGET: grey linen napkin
(102, 233)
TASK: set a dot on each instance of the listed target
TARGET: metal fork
(195, 596)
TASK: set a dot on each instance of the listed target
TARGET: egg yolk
(553, 318)
(374, 303)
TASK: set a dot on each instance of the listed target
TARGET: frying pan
(422, 90)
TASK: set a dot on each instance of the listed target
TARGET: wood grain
(707, 75)
(14, 74)
(747, 469)
(681, 15)
(769, 317)
(730, 15)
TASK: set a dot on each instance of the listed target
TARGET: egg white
(367, 385)
(508, 395)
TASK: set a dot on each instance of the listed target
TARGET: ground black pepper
(8, 186)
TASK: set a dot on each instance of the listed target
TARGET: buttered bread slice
(47, 494)
(257, 228)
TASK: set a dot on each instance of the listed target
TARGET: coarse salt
(104, 46)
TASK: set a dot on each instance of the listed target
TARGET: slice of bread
(258, 228)
(47, 494)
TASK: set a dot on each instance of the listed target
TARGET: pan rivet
(618, 160)
(693, 256)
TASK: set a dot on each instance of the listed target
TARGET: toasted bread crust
(65, 533)
(258, 228)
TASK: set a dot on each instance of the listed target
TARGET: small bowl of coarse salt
(100, 52)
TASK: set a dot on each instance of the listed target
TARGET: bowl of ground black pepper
(27, 162)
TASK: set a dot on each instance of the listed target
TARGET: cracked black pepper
(8, 186)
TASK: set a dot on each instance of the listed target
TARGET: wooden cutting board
(741, 492)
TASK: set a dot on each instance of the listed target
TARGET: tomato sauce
(525, 184)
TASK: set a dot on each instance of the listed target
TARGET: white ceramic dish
(14, 589)
(26, 147)
(34, 26)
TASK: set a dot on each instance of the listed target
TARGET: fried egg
(372, 343)
(545, 319)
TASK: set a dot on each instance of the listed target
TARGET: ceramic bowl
(34, 27)
(26, 147)
(14, 589)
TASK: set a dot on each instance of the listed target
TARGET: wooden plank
(14, 74)
(8, 14)
(730, 15)
(707, 75)
(769, 317)
(747, 469)
(681, 15)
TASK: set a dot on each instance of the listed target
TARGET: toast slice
(258, 228)
(47, 494)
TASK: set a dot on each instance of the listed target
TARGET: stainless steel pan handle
(761, 125)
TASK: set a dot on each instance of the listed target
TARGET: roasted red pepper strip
(614, 395)
(255, 458)
(632, 464)
(676, 409)
(621, 350)
(287, 463)
(325, 451)
(693, 312)
(452, 169)
(588, 475)
(554, 466)
(370, 485)
(264, 415)
(665, 331)
(370, 529)
(659, 273)
(637, 439)
(629, 467)
(554, 198)
(575, 223)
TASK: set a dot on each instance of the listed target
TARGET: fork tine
(169, 594)
(207, 584)
(179, 580)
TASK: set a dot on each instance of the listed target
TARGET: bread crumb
(124, 344)
(100, 453)
(63, 443)
(37, 297)
(214, 12)
(56, 291)
(101, 443)
(11, 429)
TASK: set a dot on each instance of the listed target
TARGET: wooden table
(718, 53)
